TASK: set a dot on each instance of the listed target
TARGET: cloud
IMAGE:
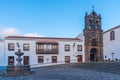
(33, 35)
(9, 32)
(15, 32)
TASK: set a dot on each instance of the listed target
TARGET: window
(40, 59)
(26, 60)
(67, 47)
(10, 60)
(90, 24)
(67, 59)
(40, 47)
(112, 35)
(97, 25)
(11, 46)
(54, 47)
(79, 47)
(105, 56)
(54, 59)
(47, 47)
(26, 47)
(94, 42)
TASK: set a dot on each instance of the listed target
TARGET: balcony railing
(47, 51)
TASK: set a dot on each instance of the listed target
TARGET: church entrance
(93, 55)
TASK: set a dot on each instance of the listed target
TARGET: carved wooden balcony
(47, 51)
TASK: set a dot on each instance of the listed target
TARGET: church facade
(93, 34)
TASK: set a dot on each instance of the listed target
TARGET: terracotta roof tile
(41, 39)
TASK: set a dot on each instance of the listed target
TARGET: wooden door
(26, 60)
(10, 60)
(79, 58)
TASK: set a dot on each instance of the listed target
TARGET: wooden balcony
(47, 51)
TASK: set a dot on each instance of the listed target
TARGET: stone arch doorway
(93, 55)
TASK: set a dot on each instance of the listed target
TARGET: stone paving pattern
(64, 73)
(111, 67)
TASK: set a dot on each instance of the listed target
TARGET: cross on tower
(93, 8)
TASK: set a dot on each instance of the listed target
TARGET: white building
(111, 44)
(41, 51)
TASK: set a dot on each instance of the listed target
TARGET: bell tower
(93, 37)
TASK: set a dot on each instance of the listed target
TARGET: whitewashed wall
(34, 57)
(30, 53)
(113, 46)
(73, 51)
(2, 53)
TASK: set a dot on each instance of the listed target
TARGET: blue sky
(54, 18)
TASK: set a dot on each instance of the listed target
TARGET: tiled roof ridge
(40, 37)
(111, 29)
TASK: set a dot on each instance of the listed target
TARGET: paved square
(64, 73)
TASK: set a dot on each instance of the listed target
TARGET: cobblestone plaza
(64, 73)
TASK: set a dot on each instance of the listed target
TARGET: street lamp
(73, 48)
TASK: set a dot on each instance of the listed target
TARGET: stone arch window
(112, 35)
(97, 25)
(90, 24)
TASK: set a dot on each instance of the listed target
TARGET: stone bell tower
(93, 37)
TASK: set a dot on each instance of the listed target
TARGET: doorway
(10, 60)
(93, 55)
(26, 60)
(79, 58)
